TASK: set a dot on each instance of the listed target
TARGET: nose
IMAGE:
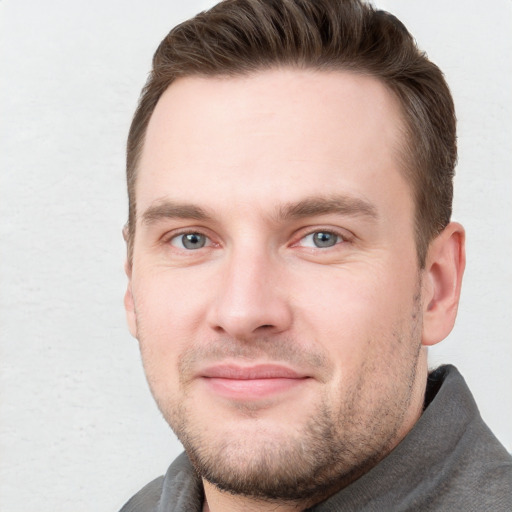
(251, 299)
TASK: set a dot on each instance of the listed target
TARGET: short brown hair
(239, 37)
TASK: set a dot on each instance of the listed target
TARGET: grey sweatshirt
(449, 461)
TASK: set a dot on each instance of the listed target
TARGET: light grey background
(78, 428)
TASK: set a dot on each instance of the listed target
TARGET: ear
(129, 304)
(444, 267)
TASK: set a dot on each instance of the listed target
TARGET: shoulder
(180, 490)
(146, 500)
(475, 470)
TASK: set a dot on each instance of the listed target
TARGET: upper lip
(260, 371)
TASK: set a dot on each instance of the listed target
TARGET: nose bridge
(249, 298)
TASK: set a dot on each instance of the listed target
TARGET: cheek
(168, 316)
(167, 302)
(356, 315)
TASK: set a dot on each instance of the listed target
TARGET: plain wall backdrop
(78, 428)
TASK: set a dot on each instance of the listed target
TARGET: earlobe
(442, 282)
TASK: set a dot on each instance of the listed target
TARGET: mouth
(251, 383)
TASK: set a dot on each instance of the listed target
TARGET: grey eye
(321, 240)
(324, 239)
(189, 241)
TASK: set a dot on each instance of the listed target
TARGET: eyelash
(176, 235)
(342, 238)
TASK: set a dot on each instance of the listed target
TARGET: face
(274, 289)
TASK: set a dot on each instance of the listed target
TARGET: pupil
(323, 239)
(193, 241)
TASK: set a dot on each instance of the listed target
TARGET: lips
(264, 371)
(251, 383)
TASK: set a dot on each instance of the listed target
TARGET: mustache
(261, 349)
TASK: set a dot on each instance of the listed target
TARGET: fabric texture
(449, 461)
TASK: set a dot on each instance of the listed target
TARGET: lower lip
(252, 389)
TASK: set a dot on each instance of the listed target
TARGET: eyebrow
(173, 210)
(337, 204)
(309, 207)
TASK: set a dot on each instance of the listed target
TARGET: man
(290, 260)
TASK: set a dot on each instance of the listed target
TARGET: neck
(221, 501)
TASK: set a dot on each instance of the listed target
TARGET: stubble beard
(333, 448)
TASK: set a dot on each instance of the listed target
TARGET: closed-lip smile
(250, 382)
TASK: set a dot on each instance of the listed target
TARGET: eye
(321, 239)
(190, 241)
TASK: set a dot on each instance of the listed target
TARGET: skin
(286, 369)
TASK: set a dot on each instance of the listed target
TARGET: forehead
(270, 136)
